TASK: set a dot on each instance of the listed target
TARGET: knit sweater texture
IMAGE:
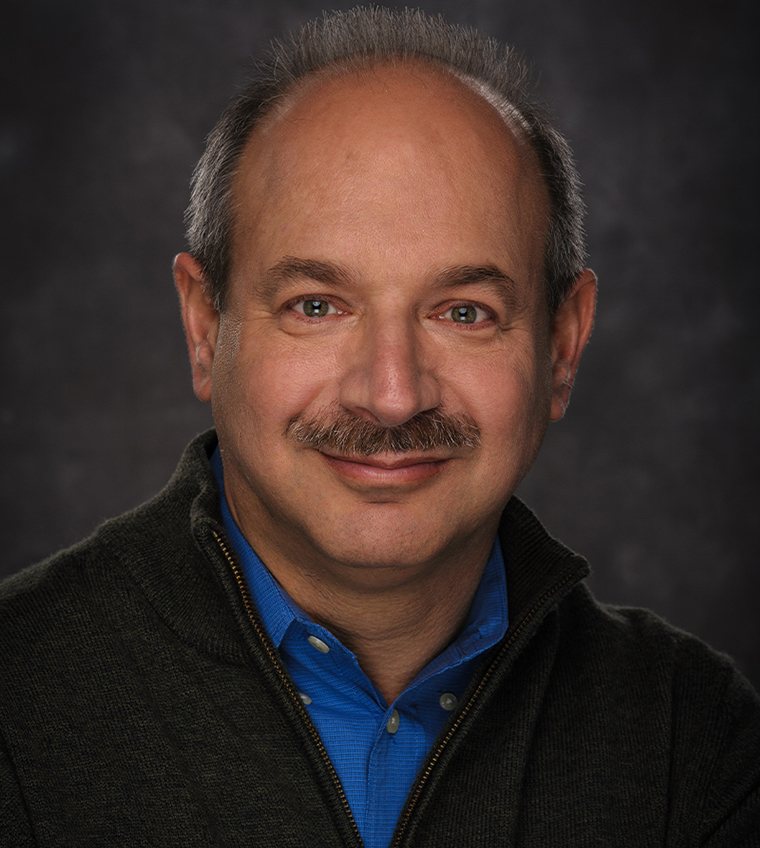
(142, 704)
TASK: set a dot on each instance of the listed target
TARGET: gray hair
(361, 37)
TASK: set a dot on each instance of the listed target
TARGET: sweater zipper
(248, 603)
(436, 755)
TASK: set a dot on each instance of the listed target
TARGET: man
(336, 626)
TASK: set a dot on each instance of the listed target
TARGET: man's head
(384, 366)
(360, 39)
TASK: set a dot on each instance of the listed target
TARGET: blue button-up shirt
(375, 747)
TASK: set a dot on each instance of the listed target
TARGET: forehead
(363, 151)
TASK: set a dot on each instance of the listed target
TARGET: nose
(388, 378)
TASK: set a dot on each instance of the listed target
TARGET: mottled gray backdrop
(652, 474)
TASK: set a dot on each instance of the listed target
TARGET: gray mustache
(352, 435)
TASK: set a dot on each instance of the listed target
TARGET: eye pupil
(315, 308)
(464, 314)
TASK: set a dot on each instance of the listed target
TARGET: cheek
(503, 384)
(516, 412)
(510, 398)
(262, 382)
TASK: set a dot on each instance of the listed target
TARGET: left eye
(466, 314)
(315, 308)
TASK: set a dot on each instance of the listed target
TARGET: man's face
(386, 263)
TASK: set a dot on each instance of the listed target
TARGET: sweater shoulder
(690, 701)
(115, 542)
(41, 591)
(638, 651)
(149, 556)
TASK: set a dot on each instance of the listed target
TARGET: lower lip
(378, 476)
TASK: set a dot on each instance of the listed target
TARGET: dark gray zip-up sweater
(141, 704)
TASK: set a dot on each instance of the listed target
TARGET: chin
(377, 545)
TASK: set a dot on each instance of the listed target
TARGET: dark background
(652, 474)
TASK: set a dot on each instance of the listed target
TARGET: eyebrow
(482, 275)
(291, 268)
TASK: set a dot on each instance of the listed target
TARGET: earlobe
(201, 321)
(570, 331)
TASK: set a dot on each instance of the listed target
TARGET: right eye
(313, 307)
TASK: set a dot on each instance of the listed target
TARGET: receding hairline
(362, 67)
(366, 37)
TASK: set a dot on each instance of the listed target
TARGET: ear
(201, 321)
(570, 331)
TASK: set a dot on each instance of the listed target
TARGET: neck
(394, 634)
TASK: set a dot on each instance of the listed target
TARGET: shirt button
(318, 644)
(448, 701)
(305, 698)
(393, 722)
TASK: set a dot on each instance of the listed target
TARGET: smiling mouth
(387, 469)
